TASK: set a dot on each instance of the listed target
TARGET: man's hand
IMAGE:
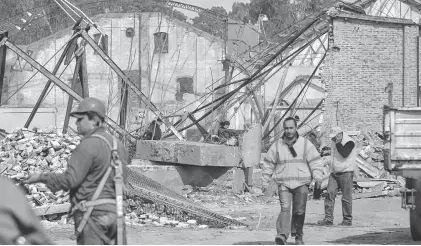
(265, 188)
(318, 181)
(32, 178)
(338, 138)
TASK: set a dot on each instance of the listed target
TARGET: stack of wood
(370, 160)
(367, 188)
(373, 180)
(24, 151)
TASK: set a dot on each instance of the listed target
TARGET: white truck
(402, 155)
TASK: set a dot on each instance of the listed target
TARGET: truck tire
(414, 223)
(415, 214)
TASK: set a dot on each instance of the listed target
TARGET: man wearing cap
(87, 165)
(292, 162)
(342, 167)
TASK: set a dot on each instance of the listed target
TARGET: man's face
(84, 125)
(290, 129)
(338, 138)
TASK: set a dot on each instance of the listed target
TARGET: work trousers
(345, 182)
(297, 198)
(106, 223)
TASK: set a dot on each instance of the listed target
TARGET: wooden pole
(3, 51)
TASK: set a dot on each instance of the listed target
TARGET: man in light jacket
(342, 167)
(291, 162)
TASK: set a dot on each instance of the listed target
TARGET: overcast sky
(227, 4)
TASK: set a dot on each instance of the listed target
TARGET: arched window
(161, 42)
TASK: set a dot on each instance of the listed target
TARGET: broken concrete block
(251, 146)
(182, 225)
(173, 222)
(156, 223)
(21, 147)
(163, 220)
(153, 217)
(189, 153)
(55, 145)
(241, 218)
(192, 222)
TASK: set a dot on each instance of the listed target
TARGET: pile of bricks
(25, 151)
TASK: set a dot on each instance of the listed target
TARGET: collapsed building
(331, 68)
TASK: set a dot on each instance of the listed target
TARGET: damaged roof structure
(355, 57)
(310, 42)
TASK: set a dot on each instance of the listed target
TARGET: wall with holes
(176, 78)
(365, 55)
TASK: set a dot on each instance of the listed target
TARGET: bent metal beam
(55, 80)
(128, 82)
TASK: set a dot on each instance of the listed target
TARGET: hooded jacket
(340, 164)
(292, 172)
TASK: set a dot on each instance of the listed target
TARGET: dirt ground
(376, 221)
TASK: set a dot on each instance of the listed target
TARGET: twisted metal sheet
(141, 187)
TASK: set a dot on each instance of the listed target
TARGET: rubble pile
(42, 151)
(373, 177)
(370, 158)
(144, 213)
(27, 151)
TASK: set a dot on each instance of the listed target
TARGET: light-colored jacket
(292, 172)
(339, 164)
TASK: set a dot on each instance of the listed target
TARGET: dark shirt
(17, 217)
(153, 132)
(224, 133)
(87, 164)
(345, 150)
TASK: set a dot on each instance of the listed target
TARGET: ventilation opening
(161, 42)
(184, 85)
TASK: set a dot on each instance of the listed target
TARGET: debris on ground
(25, 151)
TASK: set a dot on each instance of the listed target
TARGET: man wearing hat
(87, 166)
(342, 167)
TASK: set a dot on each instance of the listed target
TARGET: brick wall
(364, 56)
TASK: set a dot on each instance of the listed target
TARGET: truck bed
(402, 129)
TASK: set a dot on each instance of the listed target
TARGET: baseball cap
(335, 131)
